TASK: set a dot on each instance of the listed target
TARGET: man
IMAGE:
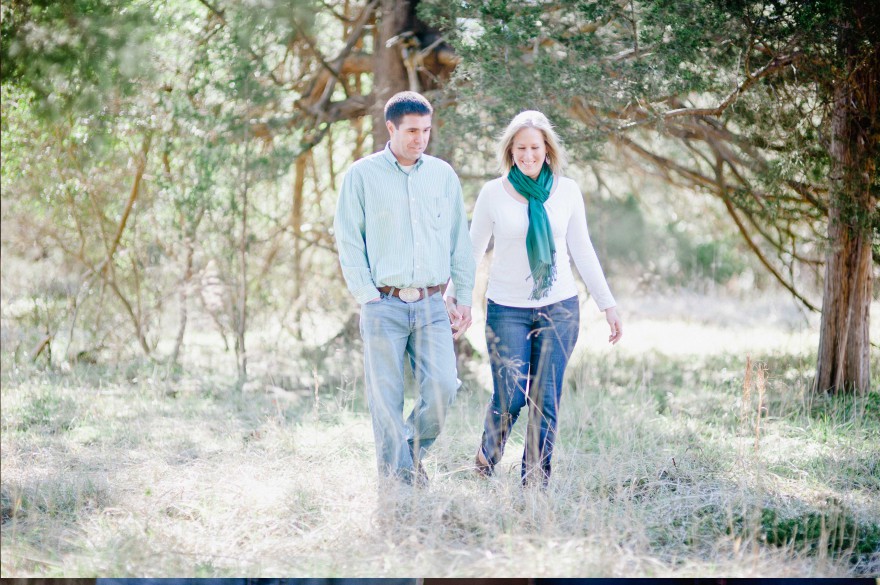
(402, 233)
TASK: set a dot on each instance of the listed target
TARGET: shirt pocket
(438, 211)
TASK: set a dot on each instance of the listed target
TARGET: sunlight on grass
(665, 466)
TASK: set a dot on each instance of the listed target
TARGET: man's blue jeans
(393, 331)
(528, 351)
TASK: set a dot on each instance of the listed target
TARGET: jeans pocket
(383, 298)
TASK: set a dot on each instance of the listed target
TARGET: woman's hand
(459, 317)
(615, 323)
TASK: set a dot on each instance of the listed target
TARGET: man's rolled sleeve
(461, 257)
(349, 228)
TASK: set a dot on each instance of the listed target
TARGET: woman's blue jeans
(529, 349)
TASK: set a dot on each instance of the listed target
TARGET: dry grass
(668, 465)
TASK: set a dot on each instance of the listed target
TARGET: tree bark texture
(296, 220)
(389, 73)
(185, 283)
(844, 345)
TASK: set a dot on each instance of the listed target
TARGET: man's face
(410, 139)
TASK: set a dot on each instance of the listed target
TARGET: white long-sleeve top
(498, 213)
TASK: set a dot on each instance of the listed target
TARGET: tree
(844, 346)
(202, 100)
(227, 123)
(408, 55)
(742, 100)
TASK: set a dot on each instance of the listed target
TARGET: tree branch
(771, 67)
(333, 68)
(221, 14)
(141, 165)
(722, 191)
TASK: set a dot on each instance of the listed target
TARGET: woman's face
(529, 151)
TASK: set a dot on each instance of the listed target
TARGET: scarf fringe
(543, 276)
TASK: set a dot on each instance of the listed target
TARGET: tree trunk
(389, 75)
(183, 295)
(844, 361)
(241, 310)
(185, 282)
(296, 221)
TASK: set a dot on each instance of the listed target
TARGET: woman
(537, 218)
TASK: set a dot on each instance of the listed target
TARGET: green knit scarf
(539, 239)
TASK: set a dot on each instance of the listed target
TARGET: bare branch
(332, 68)
(332, 10)
(723, 193)
(757, 251)
(221, 14)
(141, 165)
(693, 176)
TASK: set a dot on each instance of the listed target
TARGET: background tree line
(180, 158)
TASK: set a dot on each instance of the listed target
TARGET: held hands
(459, 317)
(615, 323)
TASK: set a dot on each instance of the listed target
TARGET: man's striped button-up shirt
(403, 229)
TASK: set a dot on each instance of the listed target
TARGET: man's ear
(390, 125)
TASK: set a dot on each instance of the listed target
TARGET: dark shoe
(481, 464)
(536, 479)
(419, 475)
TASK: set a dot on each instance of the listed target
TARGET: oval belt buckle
(409, 295)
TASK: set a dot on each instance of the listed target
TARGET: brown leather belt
(411, 294)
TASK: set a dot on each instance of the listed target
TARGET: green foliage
(836, 531)
(840, 408)
(692, 49)
(45, 411)
(625, 236)
(609, 72)
(208, 98)
(63, 498)
(716, 260)
(76, 53)
(17, 118)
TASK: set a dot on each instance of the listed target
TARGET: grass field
(672, 462)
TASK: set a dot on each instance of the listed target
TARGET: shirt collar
(389, 156)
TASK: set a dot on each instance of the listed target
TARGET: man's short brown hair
(405, 103)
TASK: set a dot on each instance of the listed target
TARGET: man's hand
(459, 317)
(464, 322)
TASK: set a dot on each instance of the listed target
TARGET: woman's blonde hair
(556, 156)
